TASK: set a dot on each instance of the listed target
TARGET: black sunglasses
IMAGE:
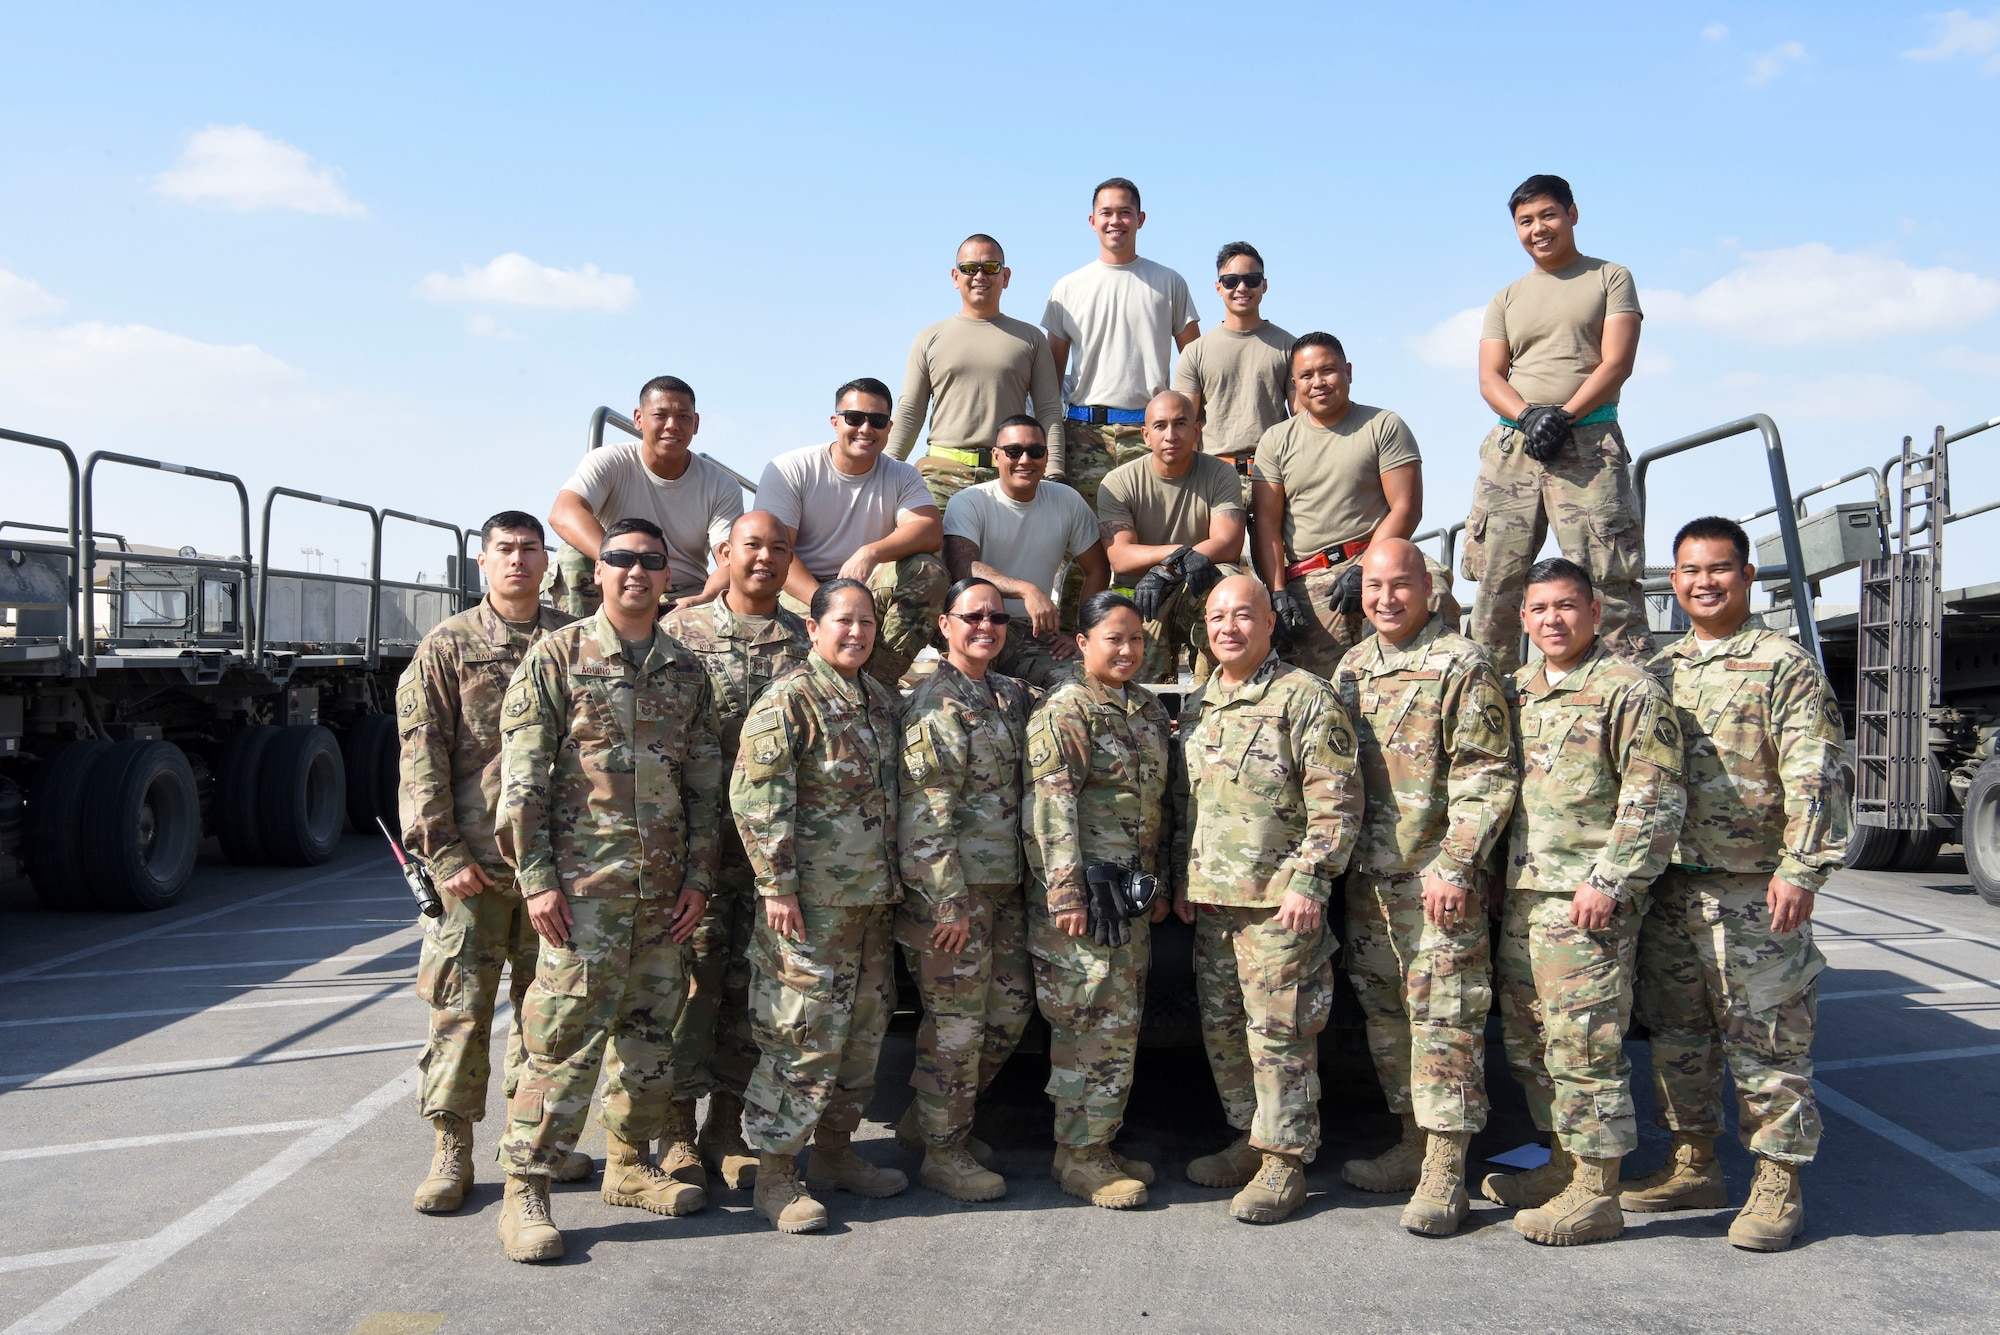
(855, 417)
(1229, 281)
(1016, 451)
(971, 267)
(974, 618)
(625, 559)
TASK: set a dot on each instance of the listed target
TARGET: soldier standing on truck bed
(1555, 350)
(448, 713)
(692, 500)
(978, 368)
(1727, 964)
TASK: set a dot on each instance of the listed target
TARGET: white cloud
(1715, 32)
(136, 371)
(1452, 343)
(1774, 62)
(1971, 360)
(1814, 294)
(1960, 34)
(24, 299)
(515, 280)
(236, 167)
(481, 325)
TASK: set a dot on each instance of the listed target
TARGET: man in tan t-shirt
(1556, 348)
(1325, 484)
(1173, 527)
(1239, 374)
(980, 367)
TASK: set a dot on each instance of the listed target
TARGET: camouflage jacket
(594, 810)
(1267, 796)
(1097, 784)
(1601, 796)
(961, 786)
(814, 789)
(1763, 731)
(448, 714)
(1437, 757)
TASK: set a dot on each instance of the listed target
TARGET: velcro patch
(1483, 720)
(1044, 756)
(919, 756)
(1660, 737)
(1332, 746)
(767, 745)
(520, 706)
(413, 707)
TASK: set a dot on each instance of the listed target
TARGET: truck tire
(1982, 831)
(239, 819)
(1920, 847)
(53, 839)
(369, 751)
(141, 826)
(304, 801)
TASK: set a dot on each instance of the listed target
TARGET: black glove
(1199, 572)
(1107, 916)
(1157, 583)
(1544, 432)
(1345, 595)
(1294, 622)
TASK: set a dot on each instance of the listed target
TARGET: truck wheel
(304, 796)
(53, 838)
(141, 826)
(1982, 831)
(238, 818)
(1920, 847)
(369, 750)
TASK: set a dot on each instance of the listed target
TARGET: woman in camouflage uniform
(1097, 782)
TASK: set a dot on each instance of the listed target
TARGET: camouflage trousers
(1717, 986)
(1092, 451)
(1027, 657)
(1179, 626)
(605, 1002)
(976, 1005)
(1092, 997)
(819, 1007)
(1585, 493)
(1565, 1001)
(948, 477)
(572, 583)
(713, 1046)
(909, 595)
(1333, 633)
(458, 973)
(1264, 992)
(1424, 993)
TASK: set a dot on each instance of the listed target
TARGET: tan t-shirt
(694, 510)
(1553, 325)
(1245, 383)
(1160, 510)
(1333, 479)
(833, 513)
(977, 372)
(1120, 321)
(1031, 542)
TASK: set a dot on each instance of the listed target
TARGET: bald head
(1395, 588)
(1247, 588)
(1391, 554)
(1239, 624)
(761, 522)
(1172, 433)
(758, 556)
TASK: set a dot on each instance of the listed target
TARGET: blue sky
(276, 241)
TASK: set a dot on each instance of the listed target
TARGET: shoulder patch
(520, 705)
(413, 707)
(766, 746)
(1482, 719)
(919, 755)
(1044, 756)
(1332, 745)
(1660, 736)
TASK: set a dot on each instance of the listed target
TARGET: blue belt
(1607, 413)
(1077, 412)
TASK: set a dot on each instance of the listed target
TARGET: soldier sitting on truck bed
(660, 478)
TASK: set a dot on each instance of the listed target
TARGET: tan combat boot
(1136, 1169)
(1231, 1166)
(834, 1166)
(575, 1167)
(1095, 1174)
(955, 1173)
(630, 1178)
(781, 1198)
(679, 1158)
(1775, 1212)
(1536, 1186)
(527, 1233)
(721, 1143)
(1278, 1189)
(1690, 1179)
(451, 1167)
(1440, 1204)
(1587, 1210)
(910, 1140)
(1396, 1168)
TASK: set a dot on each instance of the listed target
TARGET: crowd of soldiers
(694, 812)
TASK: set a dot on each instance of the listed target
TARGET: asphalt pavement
(208, 1123)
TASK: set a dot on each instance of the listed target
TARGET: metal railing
(1953, 439)
(371, 581)
(1448, 544)
(72, 551)
(462, 595)
(603, 416)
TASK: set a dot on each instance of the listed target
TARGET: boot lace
(1769, 1190)
(1272, 1175)
(1437, 1171)
(534, 1204)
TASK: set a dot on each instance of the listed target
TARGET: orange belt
(1332, 556)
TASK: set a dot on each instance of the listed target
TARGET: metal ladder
(1898, 651)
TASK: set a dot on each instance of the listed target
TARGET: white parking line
(1936, 1155)
(1845, 940)
(140, 1258)
(1904, 1058)
(76, 1074)
(1952, 933)
(1913, 990)
(280, 931)
(1991, 1155)
(206, 968)
(203, 1010)
(102, 1251)
(146, 1142)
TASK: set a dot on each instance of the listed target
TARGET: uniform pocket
(1473, 564)
(1620, 545)
(441, 972)
(791, 964)
(1779, 979)
(562, 972)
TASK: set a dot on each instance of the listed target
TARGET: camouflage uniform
(713, 1045)
(960, 832)
(948, 477)
(610, 772)
(1438, 766)
(814, 794)
(909, 595)
(448, 712)
(1765, 798)
(1182, 624)
(1026, 657)
(1333, 633)
(1600, 805)
(1266, 800)
(1585, 492)
(572, 583)
(1091, 451)
(1097, 782)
